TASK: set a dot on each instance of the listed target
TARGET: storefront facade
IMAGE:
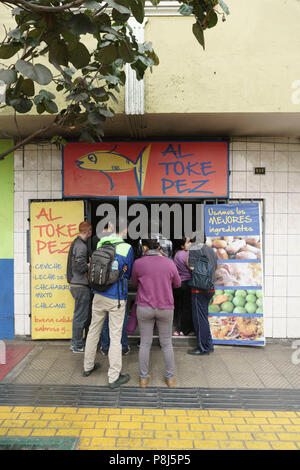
(38, 175)
(245, 92)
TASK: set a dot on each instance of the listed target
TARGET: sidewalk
(236, 398)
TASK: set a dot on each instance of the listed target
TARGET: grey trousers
(147, 316)
(82, 314)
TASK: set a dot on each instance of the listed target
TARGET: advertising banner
(146, 169)
(236, 309)
(54, 225)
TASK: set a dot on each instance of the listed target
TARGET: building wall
(38, 175)
(246, 65)
(7, 243)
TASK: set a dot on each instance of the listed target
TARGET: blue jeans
(104, 337)
(82, 314)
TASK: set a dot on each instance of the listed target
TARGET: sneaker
(123, 379)
(76, 350)
(126, 352)
(171, 382)
(176, 333)
(144, 382)
(104, 352)
(86, 373)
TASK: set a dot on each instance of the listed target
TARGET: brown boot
(171, 382)
(144, 382)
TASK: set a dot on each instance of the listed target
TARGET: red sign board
(146, 169)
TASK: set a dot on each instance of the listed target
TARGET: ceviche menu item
(233, 231)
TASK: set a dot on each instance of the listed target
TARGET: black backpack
(102, 273)
(203, 274)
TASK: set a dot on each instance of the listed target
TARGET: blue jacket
(124, 256)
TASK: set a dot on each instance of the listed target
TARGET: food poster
(236, 309)
(54, 225)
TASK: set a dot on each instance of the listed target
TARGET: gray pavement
(229, 367)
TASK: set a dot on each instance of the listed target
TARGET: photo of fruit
(235, 247)
(237, 328)
(236, 301)
(238, 274)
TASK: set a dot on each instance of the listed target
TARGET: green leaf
(8, 76)
(81, 24)
(14, 33)
(212, 18)
(107, 54)
(58, 53)
(9, 50)
(27, 87)
(25, 68)
(137, 8)
(198, 32)
(40, 108)
(186, 10)
(117, 6)
(147, 61)
(79, 55)
(46, 95)
(96, 118)
(120, 17)
(77, 97)
(50, 107)
(92, 5)
(21, 105)
(125, 52)
(69, 37)
(85, 136)
(139, 68)
(43, 74)
(39, 73)
(224, 7)
(106, 112)
(101, 20)
(99, 92)
(110, 79)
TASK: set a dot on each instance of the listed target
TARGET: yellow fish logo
(108, 161)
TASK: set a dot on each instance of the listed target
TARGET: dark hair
(151, 243)
(178, 243)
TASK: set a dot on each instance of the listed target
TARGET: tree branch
(41, 8)
(25, 141)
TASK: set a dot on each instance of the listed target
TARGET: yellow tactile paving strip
(127, 428)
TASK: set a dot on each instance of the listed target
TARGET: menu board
(54, 225)
(236, 309)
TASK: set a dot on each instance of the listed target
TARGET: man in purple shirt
(155, 276)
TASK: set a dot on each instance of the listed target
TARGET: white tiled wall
(280, 189)
(38, 175)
